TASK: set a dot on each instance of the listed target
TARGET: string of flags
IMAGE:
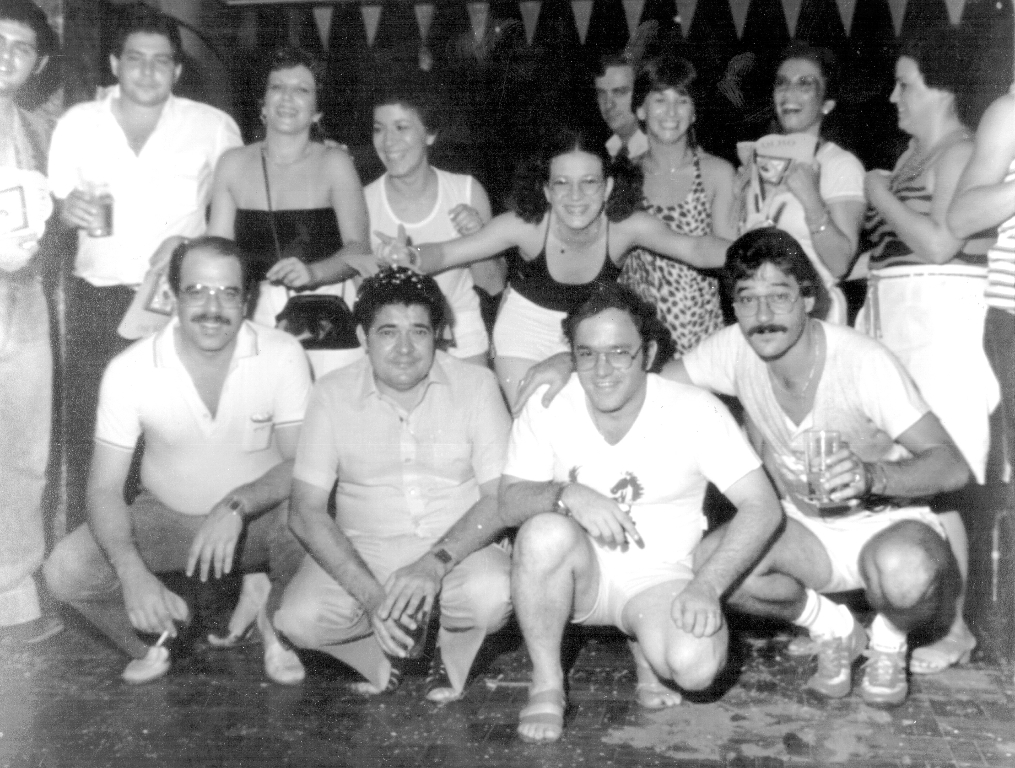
(479, 15)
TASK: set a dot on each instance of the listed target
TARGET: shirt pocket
(258, 431)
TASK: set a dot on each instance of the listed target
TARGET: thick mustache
(208, 317)
(767, 329)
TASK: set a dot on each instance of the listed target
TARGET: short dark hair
(612, 295)
(769, 245)
(528, 199)
(398, 285)
(611, 59)
(823, 58)
(220, 245)
(143, 19)
(662, 74)
(290, 56)
(32, 16)
(944, 63)
(415, 92)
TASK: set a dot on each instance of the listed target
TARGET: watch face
(443, 555)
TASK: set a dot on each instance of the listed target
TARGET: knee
(480, 600)
(543, 541)
(689, 662)
(307, 623)
(694, 666)
(901, 569)
(63, 571)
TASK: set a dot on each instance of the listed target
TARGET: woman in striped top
(925, 289)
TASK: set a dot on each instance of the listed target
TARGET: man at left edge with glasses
(219, 402)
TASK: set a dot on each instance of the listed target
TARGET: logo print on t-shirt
(627, 489)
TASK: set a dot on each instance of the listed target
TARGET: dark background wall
(501, 88)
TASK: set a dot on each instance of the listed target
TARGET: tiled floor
(63, 704)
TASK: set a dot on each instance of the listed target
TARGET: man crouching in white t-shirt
(607, 484)
(795, 375)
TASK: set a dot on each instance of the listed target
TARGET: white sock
(823, 619)
(885, 636)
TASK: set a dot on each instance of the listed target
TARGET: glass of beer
(821, 445)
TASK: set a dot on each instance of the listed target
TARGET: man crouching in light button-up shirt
(417, 441)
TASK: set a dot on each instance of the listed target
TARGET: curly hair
(528, 198)
(616, 296)
(398, 285)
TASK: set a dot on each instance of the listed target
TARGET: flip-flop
(937, 657)
(545, 708)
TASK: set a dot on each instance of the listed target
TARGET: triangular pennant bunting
(685, 14)
(322, 17)
(739, 10)
(632, 10)
(792, 10)
(898, 9)
(582, 10)
(478, 15)
(955, 8)
(846, 9)
(424, 18)
(371, 20)
(530, 15)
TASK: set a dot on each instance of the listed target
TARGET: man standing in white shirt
(155, 153)
(614, 81)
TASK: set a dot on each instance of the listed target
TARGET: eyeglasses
(805, 84)
(228, 295)
(779, 301)
(587, 186)
(159, 62)
(19, 49)
(585, 359)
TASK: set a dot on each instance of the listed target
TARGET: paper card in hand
(774, 153)
(13, 210)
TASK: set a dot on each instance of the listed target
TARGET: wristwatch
(444, 556)
(558, 503)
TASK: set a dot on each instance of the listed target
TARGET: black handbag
(317, 320)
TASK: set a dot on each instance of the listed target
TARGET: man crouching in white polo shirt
(219, 402)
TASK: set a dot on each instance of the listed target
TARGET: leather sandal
(545, 708)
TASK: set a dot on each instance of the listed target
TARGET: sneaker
(438, 687)
(836, 655)
(282, 664)
(884, 681)
(153, 666)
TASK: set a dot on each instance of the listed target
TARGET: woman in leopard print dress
(690, 190)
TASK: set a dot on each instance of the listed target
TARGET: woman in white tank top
(431, 205)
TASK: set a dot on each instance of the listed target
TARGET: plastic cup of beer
(99, 194)
(821, 445)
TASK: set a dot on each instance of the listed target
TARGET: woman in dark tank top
(574, 217)
(294, 205)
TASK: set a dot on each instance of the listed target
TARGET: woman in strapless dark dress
(316, 200)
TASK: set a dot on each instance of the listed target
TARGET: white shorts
(844, 537)
(526, 330)
(625, 574)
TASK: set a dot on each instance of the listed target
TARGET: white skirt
(931, 317)
(526, 330)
